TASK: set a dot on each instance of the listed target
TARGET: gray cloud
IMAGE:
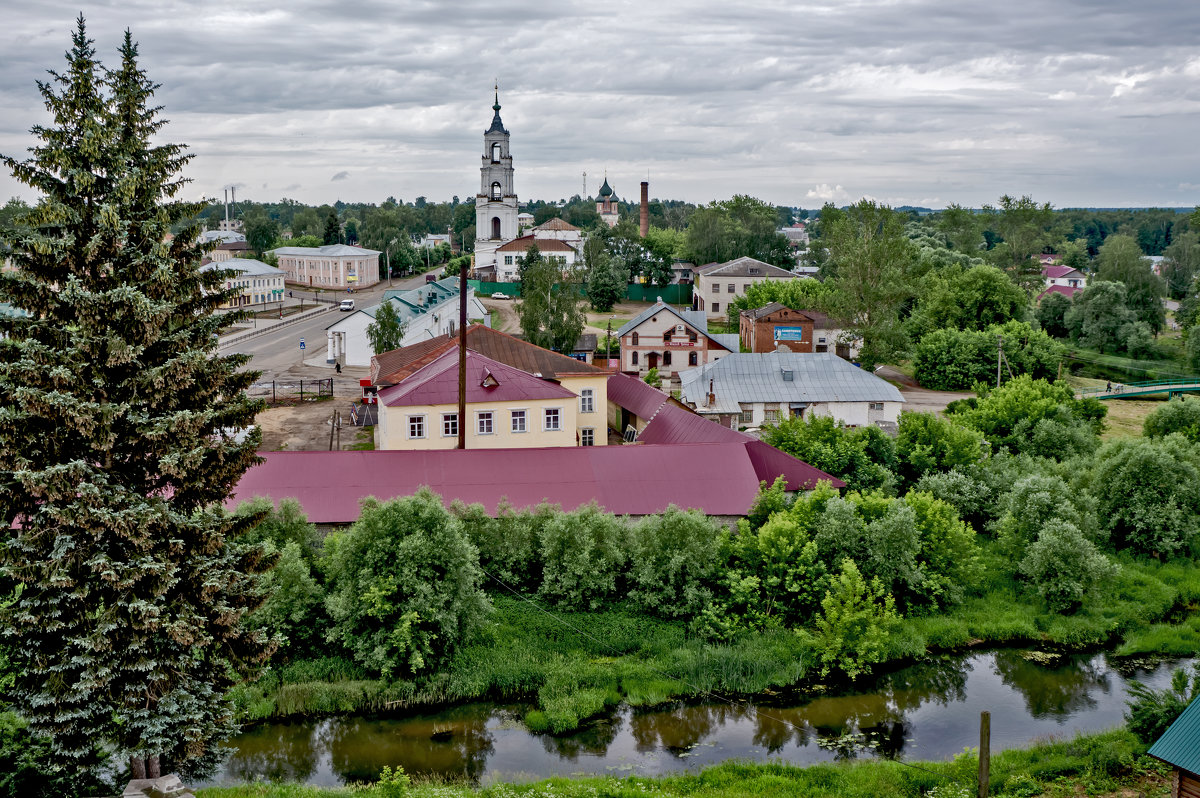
(1078, 102)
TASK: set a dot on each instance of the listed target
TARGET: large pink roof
(1055, 272)
(1069, 291)
(635, 395)
(487, 381)
(717, 478)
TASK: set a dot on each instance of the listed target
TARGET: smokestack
(644, 221)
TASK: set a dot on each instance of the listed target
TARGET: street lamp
(388, 254)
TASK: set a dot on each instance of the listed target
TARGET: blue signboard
(789, 333)
(301, 343)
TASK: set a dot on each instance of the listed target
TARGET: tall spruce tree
(114, 453)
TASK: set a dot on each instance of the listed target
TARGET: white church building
(496, 202)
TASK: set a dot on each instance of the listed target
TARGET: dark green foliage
(509, 544)
(672, 563)
(280, 526)
(927, 443)
(947, 360)
(28, 768)
(404, 585)
(1121, 260)
(838, 451)
(605, 280)
(114, 453)
(549, 308)
(386, 332)
(295, 606)
(964, 490)
(1034, 417)
(1151, 712)
(1148, 493)
(1179, 415)
(1099, 315)
(1051, 314)
(333, 230)
(1064, 566)
(970, 299)
(739, 227)
(583, 556)
(261, 232)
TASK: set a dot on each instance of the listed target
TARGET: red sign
(680, 343)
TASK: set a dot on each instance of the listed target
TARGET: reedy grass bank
(1094, 763)
(577, 665)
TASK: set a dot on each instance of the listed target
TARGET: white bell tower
(496, 202)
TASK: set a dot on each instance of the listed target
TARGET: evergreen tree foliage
(114, 453)
(333, 229)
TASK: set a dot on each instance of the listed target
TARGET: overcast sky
(921, 102)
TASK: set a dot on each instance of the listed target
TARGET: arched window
(496, 191)
(634, 358)
(495, 152)
(635, 338)
(495, 227)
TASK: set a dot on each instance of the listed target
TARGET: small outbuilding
(1179, 747)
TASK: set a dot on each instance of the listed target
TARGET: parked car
(347, 304)
(499, 295)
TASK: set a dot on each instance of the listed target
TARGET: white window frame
(584, 434)
(587, 401)
(524, 417)
(875, 406)
(491, 422)
(419, 422)
(546, 411)
(447, 419)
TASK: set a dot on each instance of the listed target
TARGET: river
(925, 711)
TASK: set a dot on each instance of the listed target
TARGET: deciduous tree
(386, 332)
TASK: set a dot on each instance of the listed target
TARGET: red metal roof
(487, 381)
(1054, 272)
(717, 478)
(1069, 291)
(523, 243)
(635, 395)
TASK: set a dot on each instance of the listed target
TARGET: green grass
(364, 440)
(1090, 764)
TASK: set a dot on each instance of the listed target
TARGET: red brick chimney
(644, 220)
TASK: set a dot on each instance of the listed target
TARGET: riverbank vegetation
(1040, 537)
(1096, 764)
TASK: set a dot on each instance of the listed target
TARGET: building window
(771, 416)
(495, 227)
(667, 358)
(716, 308)
(875, 405)
(508, 260)
(483, 422)
(587, 402)
(730, 289)
(635, 338)
(716, 288)
(633, 358)
(587, 437)
(450, 425)
(518, 421)
(416, 426)
(495, 191)
(553, 419)
(746, 416)
(495, 152)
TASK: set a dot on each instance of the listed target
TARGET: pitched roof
(1180, 743)
(635, 395)
(762, 378)
(487, 381)
(389, 368)
(329, 250)
(1057, 272)
(695, 318)
(556, 224)
(247, 266)
(719, 479)
(543, 244)
(745, 267)
(1069, 291)
(820, 320)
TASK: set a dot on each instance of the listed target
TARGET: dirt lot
(918, 398)
(305, 427)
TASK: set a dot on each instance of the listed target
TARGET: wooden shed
(1179, 747)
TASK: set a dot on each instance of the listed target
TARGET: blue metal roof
(1180, 744)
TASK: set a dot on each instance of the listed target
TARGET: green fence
(671, 294)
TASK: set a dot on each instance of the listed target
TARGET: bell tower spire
(496, 202)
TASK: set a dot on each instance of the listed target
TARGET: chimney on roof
(644, 214)
(712, 397)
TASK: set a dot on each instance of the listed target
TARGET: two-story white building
(256, 282)
(670, 340)
(1063, 280)
(718, 284)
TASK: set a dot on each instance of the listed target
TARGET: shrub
(294, 608)
(857, 456)
(1033, 502)
(1152, 711)
(948, 553)
(404, 585)
(1008, 416)
(508, 544)
(281, 525)
(856, 619)
(1064, 566)
(1178, 415)
(583, 553)
(672, 563)
(949, 360)
(927, 443)
(962, 489)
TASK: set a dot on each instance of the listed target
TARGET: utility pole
(462, 356)
(999, 357)
(584, 195)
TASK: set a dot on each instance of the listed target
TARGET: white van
(347, 304)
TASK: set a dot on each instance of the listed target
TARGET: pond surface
(925, 711)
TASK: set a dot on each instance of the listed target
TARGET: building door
(652, 360)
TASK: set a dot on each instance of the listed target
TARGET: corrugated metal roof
(487, 381)
(696, 318)
(1180, 744)
(760, 378)
(635, 395)
(746, 267)
(329, 250)
(247, 266)
(717, 478)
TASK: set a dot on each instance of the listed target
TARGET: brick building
(774, 327)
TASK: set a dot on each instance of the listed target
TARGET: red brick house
(774, 326)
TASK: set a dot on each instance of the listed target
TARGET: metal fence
(285, 393)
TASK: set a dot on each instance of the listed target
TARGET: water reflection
(1058, 691)
(930, 710)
